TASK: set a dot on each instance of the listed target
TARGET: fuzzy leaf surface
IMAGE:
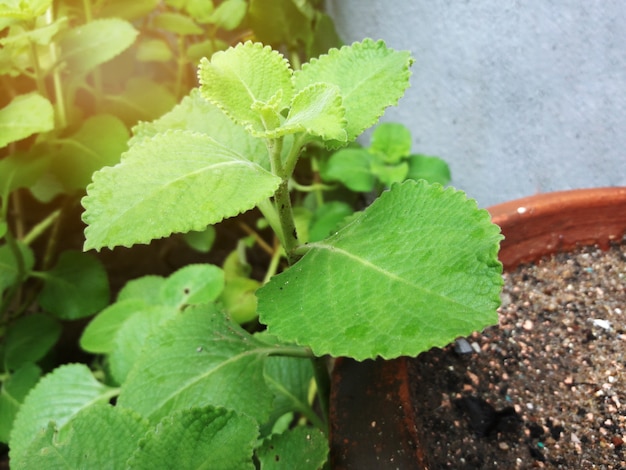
(100, 436)
(242, 79)
(416, 269)
(88, 45)
(302, 448)
(370, 77)
(186, 178)
(192, 284)
(25, 115)
(199, 358)
(205, 437)
(58, 397)
(194, 113)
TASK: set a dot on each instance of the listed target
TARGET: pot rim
(547, 223)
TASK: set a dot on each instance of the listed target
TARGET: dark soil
(544, 389)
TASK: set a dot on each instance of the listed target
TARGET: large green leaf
(199, 358)
(174, 182)
(370, 78)
(199, 438)
(100, 436)
(416, 269)
(58, 397)
(250, 83)
(88, 45)
(76, 287)
(25, 115)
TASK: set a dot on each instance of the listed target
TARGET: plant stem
(282, 201)
(56, 77)
(322, 379)
(41, 227)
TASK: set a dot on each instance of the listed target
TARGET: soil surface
(544, 389)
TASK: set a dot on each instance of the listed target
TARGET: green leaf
(145, 288)
(327, 218)
(246, 79)
(142, 99)
(130, 337)
(279, 22)
(351, 167)
(98, 337)
(100, 436)
(9, 267)
(199, 358)
(154, 50)
(76, 287)
(188, 179)
(301, 447)
(431, 169)
(205, 437)
(127, 10)
(29, 339)
(177, 23)
(238, 299)
(370, 78)
(316, 110)
(58, 397)
(201, 241)
(194, 113)
(389, 174)
(86, 46)
(391, 142)
(193, 284)
(12, 394)
(229, 14)
(22, 170)
(24, 116)
(416, 269)
(99, 142)
(24, 9)
(290, 379)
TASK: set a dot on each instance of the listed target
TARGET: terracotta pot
(371, 415)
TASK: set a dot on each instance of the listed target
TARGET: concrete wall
(519, 97)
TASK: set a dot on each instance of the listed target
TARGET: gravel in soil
(546, 388)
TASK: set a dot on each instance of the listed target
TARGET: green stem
(56, 77)
(41, 227)
(289, 240)
(97, 73)
(322, 379)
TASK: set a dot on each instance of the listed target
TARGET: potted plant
(533, 227)
(416, 268)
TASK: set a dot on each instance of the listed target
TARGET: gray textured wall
(518, 97)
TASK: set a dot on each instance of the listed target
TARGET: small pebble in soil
(546, 388)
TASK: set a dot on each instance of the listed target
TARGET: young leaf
(229, 14)
(99, 436)
(302, 448)
(350, 167)
(29, 339)
(76, 287)
(145, 288)
(205, 437)
(316, 110)
(99, 334)
(431, 169)
(391, 142)
(88, 45)
(279, 22)
(58, 397)
(370, 78)
(24, 116)
(416, 269)
(177, 23)
(188, 179)
(201, 241)
(193, 284)
(25, 9)
(198, 358)
(242, 79)
(12, 394)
